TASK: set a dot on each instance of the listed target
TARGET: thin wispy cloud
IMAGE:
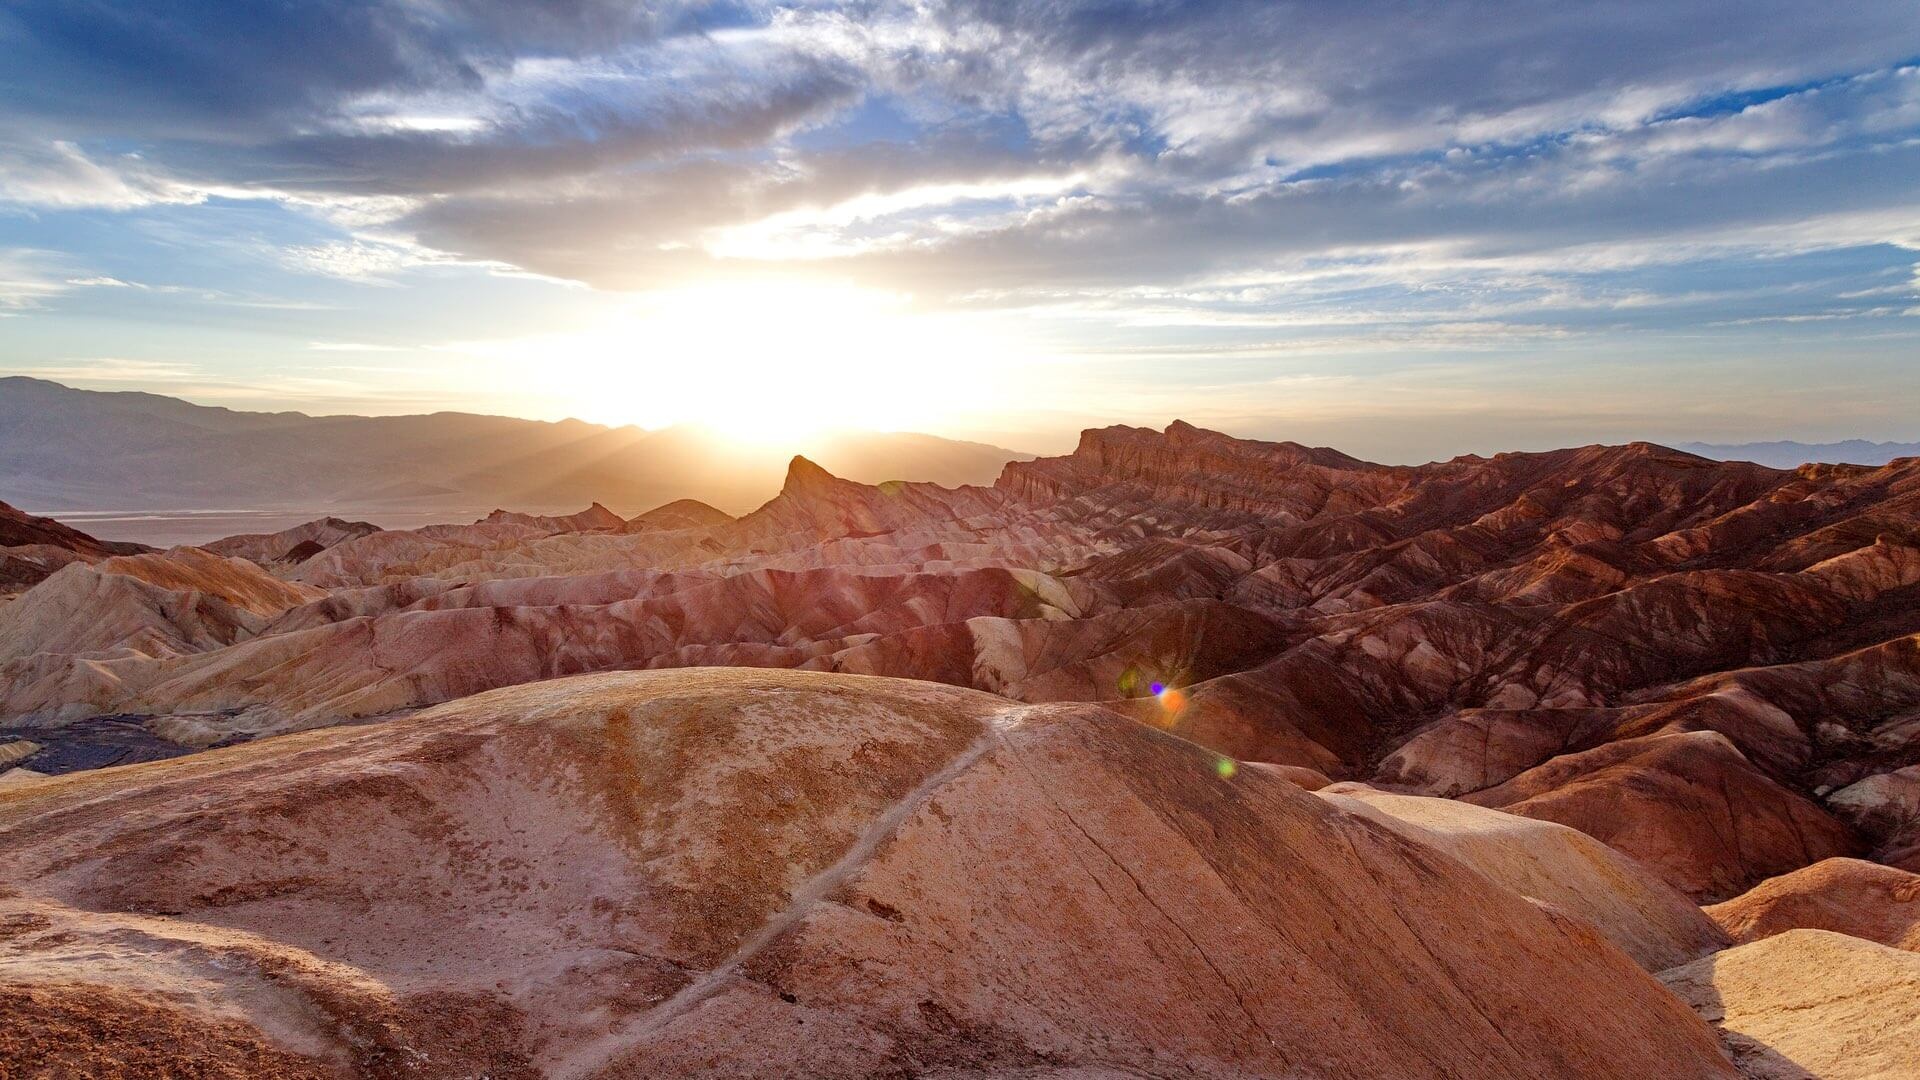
(114, 372)
(353, 346)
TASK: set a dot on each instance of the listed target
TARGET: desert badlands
(1177, 756)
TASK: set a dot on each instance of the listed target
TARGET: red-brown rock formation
(1648, 919)
(32, 548)
(730, 873)
(593, 517)
(295, 545)
(1689, 806)
(1847, 896)
(1712, 669)
(19, 529)
(1713, 666)
(679, 514)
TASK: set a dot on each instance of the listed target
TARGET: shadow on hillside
(1756, 1060)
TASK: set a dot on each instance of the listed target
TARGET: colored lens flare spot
(1226, 768)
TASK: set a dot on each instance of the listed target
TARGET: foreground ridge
(737, 873)
(588, 1058)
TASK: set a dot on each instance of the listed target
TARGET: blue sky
(1406, 229)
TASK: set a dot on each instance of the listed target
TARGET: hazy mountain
(68, 449)
(1787, 454)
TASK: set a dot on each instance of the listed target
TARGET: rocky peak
(595, 516)
(1181, 431)
(600, 516)
(805, 476)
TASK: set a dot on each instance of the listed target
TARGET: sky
(1405, 229)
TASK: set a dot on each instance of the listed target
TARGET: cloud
(29, 278)
(553, 126)
(354, 347)
(1175, 142)
(1239, 163)
(114, 372)
(58, 174)
(101, 281)
(364, 261)
(226, 69)
(1286, 76)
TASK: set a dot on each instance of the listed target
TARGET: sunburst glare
(771, 363)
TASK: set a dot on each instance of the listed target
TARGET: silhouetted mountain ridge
(1787, 454)
(68, 449)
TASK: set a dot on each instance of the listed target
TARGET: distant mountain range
(1787, 455)
(67, 449)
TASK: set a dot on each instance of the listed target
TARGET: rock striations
(1712, 666)
(1566, 698)
(733, 873)
(295, 545)
(32, 548)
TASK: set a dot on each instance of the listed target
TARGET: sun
(771, 364)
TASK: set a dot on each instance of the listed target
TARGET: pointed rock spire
(804, 475)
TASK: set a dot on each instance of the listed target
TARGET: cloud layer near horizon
(1214, 180)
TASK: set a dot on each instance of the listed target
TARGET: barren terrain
(1189, 756)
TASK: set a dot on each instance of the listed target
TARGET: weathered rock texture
(1713, 667)
(1648, 919)
(32, 548)
(1808, 1003)
(1847, 896)
(735, 873)
(295, 545)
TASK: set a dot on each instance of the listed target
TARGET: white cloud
(29, 278)
(59, 175)
(1178, 180)
(369, 262)
(114, 372)
(100, 281)
(354, 347)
